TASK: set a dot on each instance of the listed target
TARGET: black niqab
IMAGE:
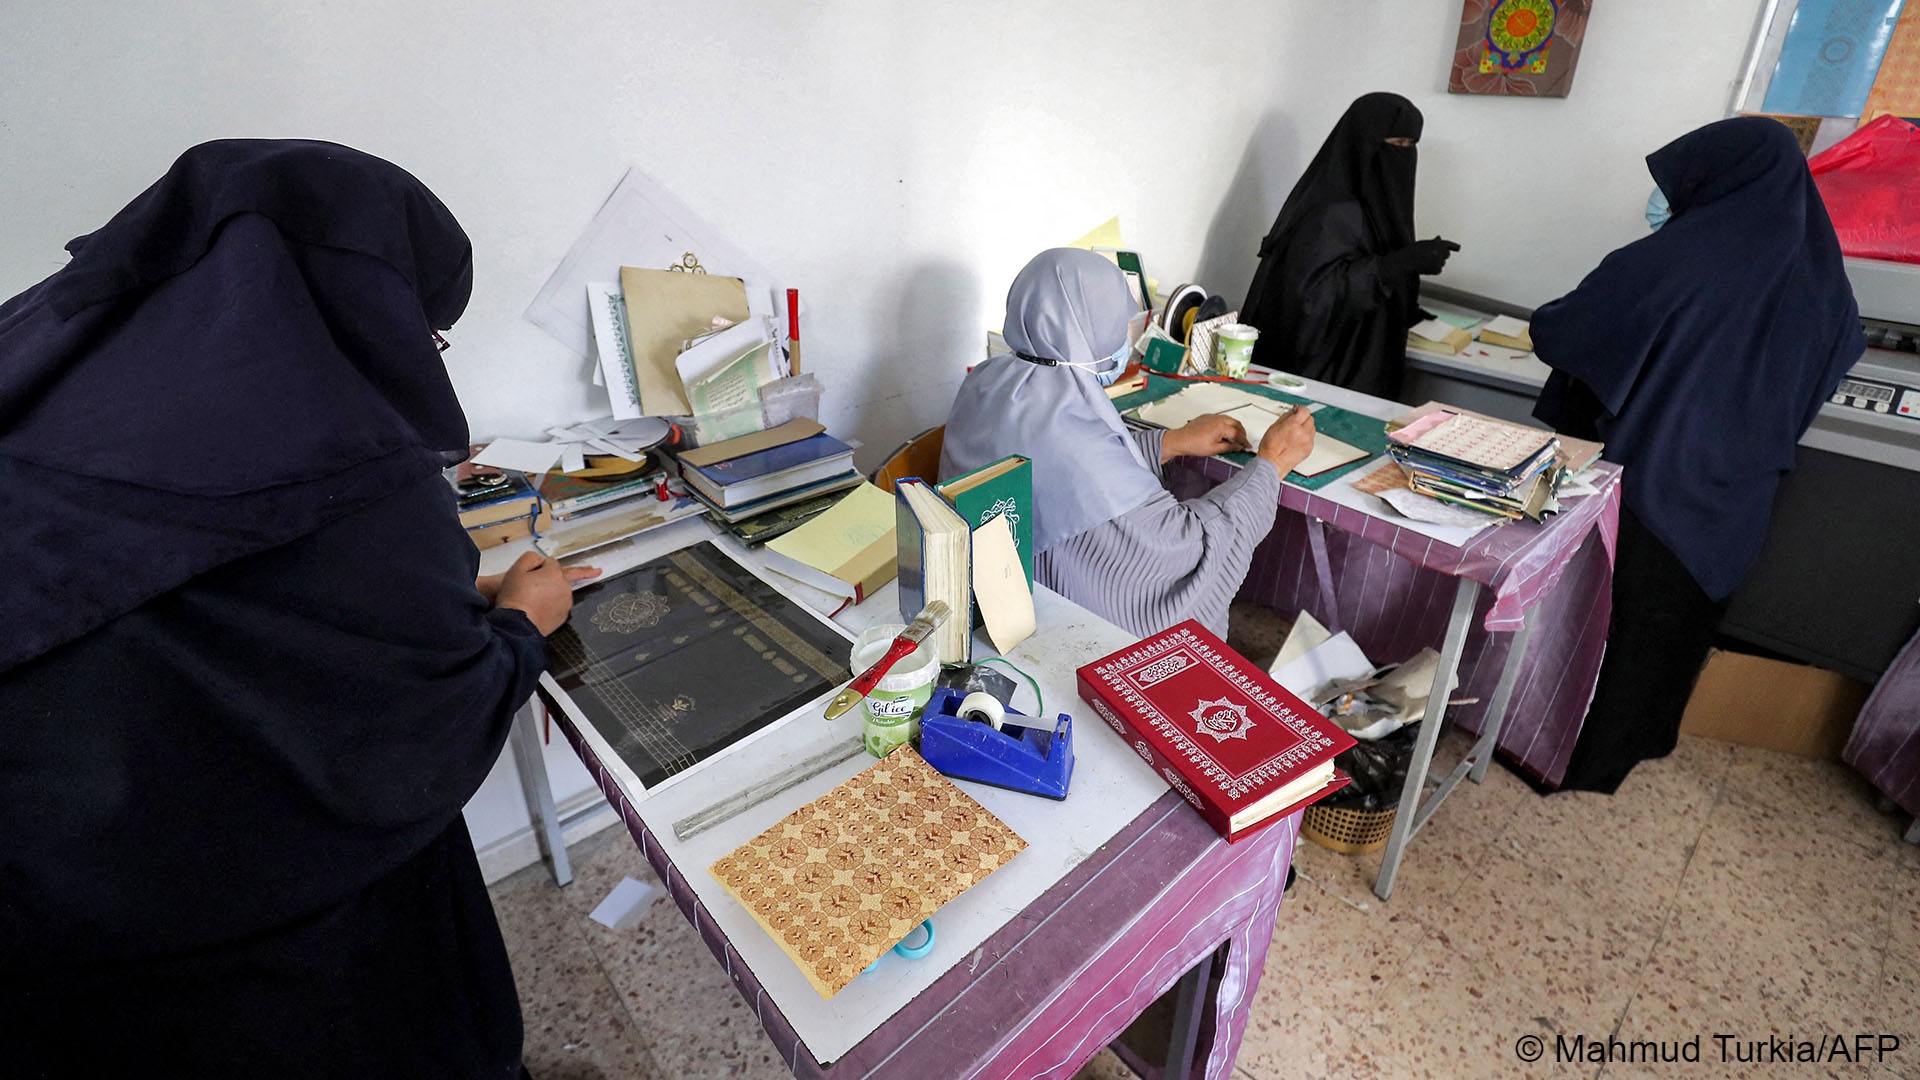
(1326, 306)
(1356, 163)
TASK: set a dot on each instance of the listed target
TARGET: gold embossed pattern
(840, 880)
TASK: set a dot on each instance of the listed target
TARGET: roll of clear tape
(984, 706)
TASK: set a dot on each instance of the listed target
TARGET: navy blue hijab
(240, 356)
(1701, 353)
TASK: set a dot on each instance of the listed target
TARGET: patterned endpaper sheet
(842, 879)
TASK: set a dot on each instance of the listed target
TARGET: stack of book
(502, 510)
(602, 505)
(1437, 336)
(742, 478)
(570, 496)
(1507, 470)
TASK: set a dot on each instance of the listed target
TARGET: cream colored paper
(1255, 413)
(853, 541)
(1000, 585)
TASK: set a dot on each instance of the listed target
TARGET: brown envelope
(664, 309)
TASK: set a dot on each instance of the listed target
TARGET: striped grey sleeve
(1149, 443)
(1168, 560)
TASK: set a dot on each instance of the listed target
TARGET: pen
(793, 331)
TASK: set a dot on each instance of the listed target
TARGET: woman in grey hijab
(1106, 534)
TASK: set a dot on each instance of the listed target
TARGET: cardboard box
(1773, 705)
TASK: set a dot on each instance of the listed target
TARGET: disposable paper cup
(890, 715)
(1233, 349)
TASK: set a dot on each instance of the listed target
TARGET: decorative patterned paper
(1520, 48)
(1896, 89)
(1830, 56)
(1804, 128)
(844, 878)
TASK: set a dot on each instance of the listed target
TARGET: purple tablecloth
(1885, 745)
(1047, 991)
(1393, 590)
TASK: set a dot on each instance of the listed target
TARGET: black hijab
(1357, 164)
(1705, 349)
(241, 355)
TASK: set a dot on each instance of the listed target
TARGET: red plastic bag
(1870, 181)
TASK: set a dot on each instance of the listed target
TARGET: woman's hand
(1203, 436)
(1288, 442)
(539, 587)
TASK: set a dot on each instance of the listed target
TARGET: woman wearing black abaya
(248, 677)
(1339, 277)
(1700, 354)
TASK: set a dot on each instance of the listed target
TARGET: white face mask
(1107, 371)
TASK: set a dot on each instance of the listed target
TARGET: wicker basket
(1349, 832)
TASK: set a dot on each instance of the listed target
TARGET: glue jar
(890, 715)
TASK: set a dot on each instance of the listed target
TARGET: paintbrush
(924, 624)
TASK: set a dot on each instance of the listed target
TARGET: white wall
(897, 168)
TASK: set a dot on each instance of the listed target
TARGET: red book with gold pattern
(1235, 744)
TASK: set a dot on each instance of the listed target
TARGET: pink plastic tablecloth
(1885, 745)
(1393, 589)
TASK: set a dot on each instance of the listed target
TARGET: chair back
(918, 456)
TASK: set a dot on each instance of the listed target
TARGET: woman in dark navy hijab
(1339, 277)
(249, 677)
(1700, 354)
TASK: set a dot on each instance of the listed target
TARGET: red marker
(793, 331)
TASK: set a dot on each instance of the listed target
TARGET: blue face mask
(1657, 210)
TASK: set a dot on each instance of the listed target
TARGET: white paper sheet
(1337, 660)
(1506, 326)
(520, 455)
(640, 224)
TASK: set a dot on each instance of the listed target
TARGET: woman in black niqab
(249, 677)
(1338, 282)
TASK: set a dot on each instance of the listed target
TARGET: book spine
(496, 512)
(573, 503)
(1151, 753)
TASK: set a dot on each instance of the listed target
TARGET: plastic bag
(1867, 182)
(1379, 771)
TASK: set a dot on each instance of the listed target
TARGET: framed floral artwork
(1520, 48)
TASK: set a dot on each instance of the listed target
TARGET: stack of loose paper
(1255, 413)
(569, 448)
(1331, 673)
(1478, 463)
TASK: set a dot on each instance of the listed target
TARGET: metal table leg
(539, 792)
(1412, 815)
(1482, 754)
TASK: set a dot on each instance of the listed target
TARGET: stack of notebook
(1503, 469)
(742, 478)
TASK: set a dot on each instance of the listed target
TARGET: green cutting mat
(1351, 428)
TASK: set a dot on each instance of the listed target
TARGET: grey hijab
(1070, 306)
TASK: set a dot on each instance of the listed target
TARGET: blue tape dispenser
(974, 737)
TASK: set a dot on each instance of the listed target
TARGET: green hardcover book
(1002, 487)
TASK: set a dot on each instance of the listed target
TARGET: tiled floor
(1722, 891)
